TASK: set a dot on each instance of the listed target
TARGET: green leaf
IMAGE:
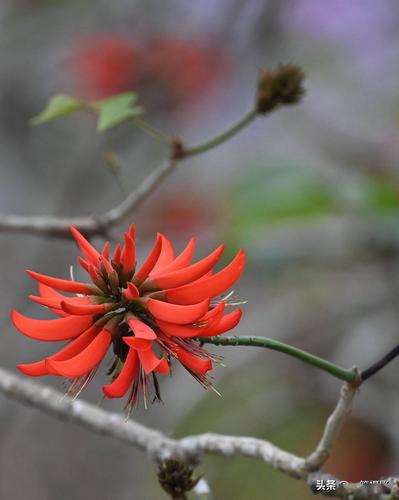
(59, 105)
(116, 109)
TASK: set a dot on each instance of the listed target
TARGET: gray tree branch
(192, 448)
(58, 227)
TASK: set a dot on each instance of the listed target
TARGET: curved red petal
(148, 360)
(119, 387)
(150, 261)
(91, 254)
(117, 254)
(215, 311)
(141, 330)
(85, 361)
(166, 255)
(228, 322)
(52, 303)
(163, 368)
(64, 285)
(105, 251)
(210, 287)
(132, 231)
(183, 259)
(179, 314)
(51, 330)
(47, 291)
(55, 303)
(105, 265)
(128, 256)
(84, 309)
(186, 275)
(197, 365)
(132, 291)
(83, 263)
(39, 368)
(184, 331)
(137, 343)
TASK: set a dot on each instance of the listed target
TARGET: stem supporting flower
(349, 375)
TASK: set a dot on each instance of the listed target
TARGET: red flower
(188, 69)
(149, 316)
(105, 65)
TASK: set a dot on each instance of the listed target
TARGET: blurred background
(311, 192)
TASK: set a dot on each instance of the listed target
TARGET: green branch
(335, 370)
(223, 137)
(149, 129)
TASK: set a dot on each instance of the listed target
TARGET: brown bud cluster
(280, 86)
(176, 478)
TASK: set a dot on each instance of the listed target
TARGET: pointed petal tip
(37, 369)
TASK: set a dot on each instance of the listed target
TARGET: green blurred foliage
(269, 196)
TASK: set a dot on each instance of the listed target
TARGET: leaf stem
(224, 136)
(350, 376)
(146, 127)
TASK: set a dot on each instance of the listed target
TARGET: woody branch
(191, 448)
(276, 88)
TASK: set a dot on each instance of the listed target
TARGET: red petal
(65, 285)
(85, 361)
(138, 344)
(178, 314)
(55, 303)
(97, 279)
(197, 365)
(150, 261)
(47, 291)
(128, 256)
(184, 331)
(105, 252)
(187, 274)
(86, 248)
(132, 291)
(149, 360)
(132, 231)
(210, 287)
(117, 254)
(124, 380)
(215, 311)
(227, 322)
(83, 263)
(51, 330)
(163, 368)
(47, 302)
(39, 368)
(141, 330)
(107, 266)
(166, 256)
(83, 309)
(182, 260)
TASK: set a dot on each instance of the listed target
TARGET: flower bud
(280, 86)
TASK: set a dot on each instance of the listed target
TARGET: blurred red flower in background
(149, 317)
(186, 68)
(105, 65)
(182, 70)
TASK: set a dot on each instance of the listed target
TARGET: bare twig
(332, 428)
(90, 225)
(380, 364)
